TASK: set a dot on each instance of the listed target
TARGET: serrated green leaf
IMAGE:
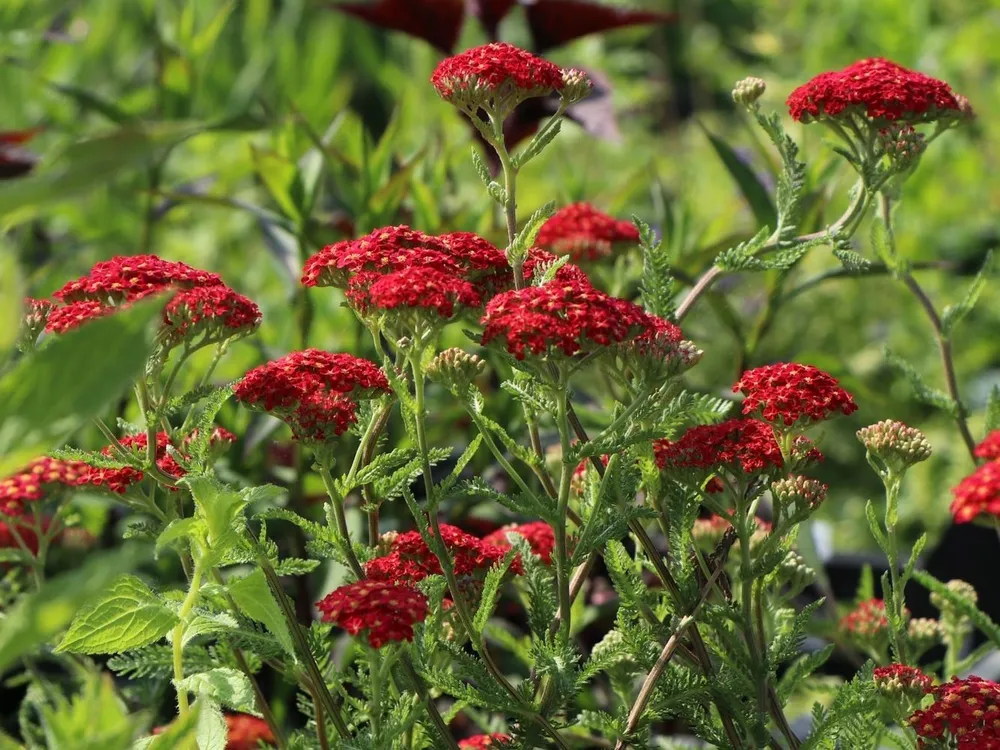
(52, 392)
(221, 508)
(211, 732)
(750, 186)
(228, 686)
(526, 237)
(538, 144)
(491, 591)
(255, 600)
(127, 616)
(178, 530)
(179, 735)
(875, 526)
(921, 391)
(954, 314)
(852, 261)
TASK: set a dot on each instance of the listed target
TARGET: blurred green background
(257, 84)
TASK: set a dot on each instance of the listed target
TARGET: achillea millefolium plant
(692, 503)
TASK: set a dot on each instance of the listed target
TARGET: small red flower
(582, 232)
(787, 393)
(538, 534)
(216, 311)
(990, 447)
(120, 479)
(411, 560)
(38, 478)
(387, 611)
(867, 620)
(413, 287)
(129, 278)
(493, 66)
(875, 88)
(65, 318)
(978, 493)
(560, 317)
(745, 445)
(897, 678)
(479, 741)
(967, 710)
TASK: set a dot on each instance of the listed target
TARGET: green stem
(344, 534)
(565, 479)
(375, 672)
(194, 589)
(320, 719)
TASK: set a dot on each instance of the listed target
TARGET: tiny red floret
(584, 233)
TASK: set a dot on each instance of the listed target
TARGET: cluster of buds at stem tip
(953, 620)
(902, 144)
(895, 445)
(456, 370)
(900, 682)
(923, 633)
(797, 496)
(747, 91)
(794, 574)
(576, 86)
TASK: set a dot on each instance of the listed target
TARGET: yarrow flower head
(411, 560)
(215, 313)
(990, 447)
(901, 681)
(119, 480)
(495, 77)
(313, 391)
(867, 621)
(37, 479)
(386, 611)
(749, 90)
(457, 370)
(585, 234)
(790, 393)
(966, 711)
(538, 534)
(559, 318)
(33, 320)
(978, 494)
(876, 89)
(129, 278)
(479, 741)
(414, 288)
(896, 445)
(737, 445)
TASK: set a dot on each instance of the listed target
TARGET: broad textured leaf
(211, 731)
(255, 600)
(39, 616)
(228, 686)
(749, 184)
(556, 22)
(127, 616)
(180, 735)
(49, 394)
(437, 22)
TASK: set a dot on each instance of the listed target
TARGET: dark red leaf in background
(555, 22)
(490, 13)
(15, 161)
(435, 21)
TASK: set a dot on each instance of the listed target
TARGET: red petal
(435, 21)
(555, 22)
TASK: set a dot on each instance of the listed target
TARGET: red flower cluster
(203, 303)
(210, 309)
(245, 732)
(313, 391)
(876, 88)
(411, 287)
(897, 678)
(411, 560)
(492, 66)
(867, 620)
(990, 447)
(560, 316)
(582, 232)
(978, 493)
(33, 481)
(746, 445)
(966, 709)
(119, 480)
(387, 611)
(480, 741)
(538, 534)
(401, 268)
(788, 393)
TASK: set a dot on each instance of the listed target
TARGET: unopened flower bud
(36, 313)
(456, 370)
(900, 681)
(798, 494)
(896, 445)
(385, 542)
(749, 90)
(964, 108)
(902, 143)
(923, 632)
(950, 614)
(576, 86)
(794, 573)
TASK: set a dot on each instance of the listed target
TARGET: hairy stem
(565, 480)
(337, 506)
(194, 589)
